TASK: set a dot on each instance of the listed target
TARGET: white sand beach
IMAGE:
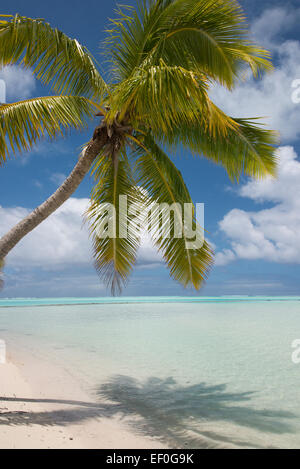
(42, 406)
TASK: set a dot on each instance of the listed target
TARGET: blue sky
(254, 227)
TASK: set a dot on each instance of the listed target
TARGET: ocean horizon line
(63, 301)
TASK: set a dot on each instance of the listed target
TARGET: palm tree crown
(163, 58)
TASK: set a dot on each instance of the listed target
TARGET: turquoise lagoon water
(198, 372)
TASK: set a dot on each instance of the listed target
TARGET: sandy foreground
(42, 406)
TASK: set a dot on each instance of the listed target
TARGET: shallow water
(197, 374)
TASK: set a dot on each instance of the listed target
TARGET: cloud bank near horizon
(62, 240)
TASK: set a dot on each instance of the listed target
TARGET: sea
(193, 372)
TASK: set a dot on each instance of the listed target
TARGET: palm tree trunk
(9, 241)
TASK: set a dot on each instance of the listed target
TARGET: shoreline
(50, 302)
(42, 406)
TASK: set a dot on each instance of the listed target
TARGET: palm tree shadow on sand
(175, 415)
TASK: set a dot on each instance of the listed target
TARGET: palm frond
(241, 146)
(55, 58)
(164, 185)
(205, 36)
(115, 232)
(23, 123)
(160, 97)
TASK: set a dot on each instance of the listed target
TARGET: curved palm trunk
(9, 241)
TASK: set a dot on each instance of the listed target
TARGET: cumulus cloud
(148, 255)
(62, 240)
(273, 23)
(20, 83)
(270, 97)
(273, 233)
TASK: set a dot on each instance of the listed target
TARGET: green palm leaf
(23, 123)
(115, 255)
(164, 184)
(241, 146)
(53, 56)
(205, 36)
(160, 96)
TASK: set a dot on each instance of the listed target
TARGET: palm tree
(163, 58)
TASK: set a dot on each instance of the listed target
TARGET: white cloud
(148, 255)
(274, 22)
(224, 257)
(284, 188)
(271, 234)
(62, 240)
(20, 83)
(57, 178)
(270, 97)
